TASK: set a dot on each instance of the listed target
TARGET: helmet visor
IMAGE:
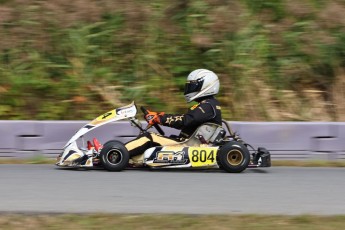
(193, 86)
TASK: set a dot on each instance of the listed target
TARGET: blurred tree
(276, 59)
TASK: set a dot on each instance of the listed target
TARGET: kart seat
(208, 133)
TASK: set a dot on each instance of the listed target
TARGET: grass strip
(172, 221)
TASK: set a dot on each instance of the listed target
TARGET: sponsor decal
(125, 111)
(170, 157)
(193, 107)
(106, 116)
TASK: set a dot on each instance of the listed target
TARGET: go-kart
(211, 146)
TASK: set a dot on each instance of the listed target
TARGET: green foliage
(100, 58)
(275, 6)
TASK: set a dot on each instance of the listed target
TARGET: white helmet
(201, 83)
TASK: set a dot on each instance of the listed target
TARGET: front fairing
(72, 155)
(113, 115)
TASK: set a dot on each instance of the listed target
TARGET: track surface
(277, 190)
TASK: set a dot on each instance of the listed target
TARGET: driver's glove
(153, 117)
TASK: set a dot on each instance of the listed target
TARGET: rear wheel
(234, 157)
(114, 156)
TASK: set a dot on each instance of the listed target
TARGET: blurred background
(277, 60)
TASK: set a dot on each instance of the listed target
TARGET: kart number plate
(200, 157)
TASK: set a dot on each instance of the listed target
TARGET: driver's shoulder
(209, 103)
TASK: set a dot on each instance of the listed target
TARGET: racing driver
(201, 86)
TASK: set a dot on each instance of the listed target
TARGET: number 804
(202, 156)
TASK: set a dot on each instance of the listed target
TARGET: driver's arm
(194, 117)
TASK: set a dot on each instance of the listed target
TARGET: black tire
(234, 157)
(114, 156)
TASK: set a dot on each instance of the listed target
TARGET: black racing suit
(207, 110)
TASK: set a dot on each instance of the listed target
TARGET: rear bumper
(262, 158)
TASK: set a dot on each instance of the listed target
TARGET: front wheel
(234, 157)
(114, 156)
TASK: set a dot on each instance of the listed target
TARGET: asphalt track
(276, 190)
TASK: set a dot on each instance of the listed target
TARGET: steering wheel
(158, 128)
